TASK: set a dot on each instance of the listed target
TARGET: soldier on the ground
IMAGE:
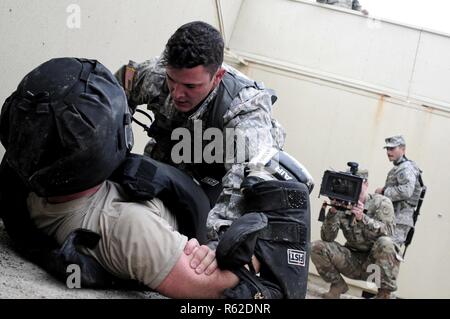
(369, 249)
(402, 187)
(66, 131)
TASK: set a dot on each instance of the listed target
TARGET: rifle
(416, 214)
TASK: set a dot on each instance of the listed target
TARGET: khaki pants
(138, 239)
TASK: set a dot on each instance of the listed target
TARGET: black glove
(237, 244)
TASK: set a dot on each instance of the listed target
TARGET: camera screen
(341, 186)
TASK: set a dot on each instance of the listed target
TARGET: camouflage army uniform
(251, 109)
(349, 4)
(368, 243)
(403, 188)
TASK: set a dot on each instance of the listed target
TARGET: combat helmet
(67, 127)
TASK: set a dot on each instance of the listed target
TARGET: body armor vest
(208, 174)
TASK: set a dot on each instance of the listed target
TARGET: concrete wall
(346, 46)
(328, 126)
(344, 83)
(112, 32)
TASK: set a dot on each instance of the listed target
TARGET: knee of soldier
(385, 245)
(318, 247)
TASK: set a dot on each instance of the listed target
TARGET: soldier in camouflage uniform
(367, 229)
(402, 187)
(348, 4)
(190, 85)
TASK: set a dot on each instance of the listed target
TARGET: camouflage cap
(394, 141)
(364, 173)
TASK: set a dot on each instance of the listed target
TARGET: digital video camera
(342, 188)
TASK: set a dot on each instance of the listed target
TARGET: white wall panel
(431, 78)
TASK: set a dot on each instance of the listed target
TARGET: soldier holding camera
(367, 226)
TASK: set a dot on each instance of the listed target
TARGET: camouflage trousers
(401, 231)
(379, 265)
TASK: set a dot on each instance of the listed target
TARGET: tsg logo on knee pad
(296, 257)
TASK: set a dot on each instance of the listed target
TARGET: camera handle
(338, 206)
(353, 167)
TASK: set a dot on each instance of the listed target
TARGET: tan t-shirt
(138, 239)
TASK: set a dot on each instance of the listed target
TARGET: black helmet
(67, 127)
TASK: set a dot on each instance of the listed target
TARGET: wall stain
(380, 110)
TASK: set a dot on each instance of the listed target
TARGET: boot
(336, 289)
(383, 294)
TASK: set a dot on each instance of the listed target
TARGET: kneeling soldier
(368, 228)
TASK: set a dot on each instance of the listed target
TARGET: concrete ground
(20, 279)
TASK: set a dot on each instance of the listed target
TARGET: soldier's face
(394, 153)
(188, 87)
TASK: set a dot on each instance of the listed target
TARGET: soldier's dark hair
(193, 44)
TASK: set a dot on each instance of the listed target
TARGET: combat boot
(336, 289)
(383, 294)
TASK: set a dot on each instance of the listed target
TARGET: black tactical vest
(144, 178)
(208, 174)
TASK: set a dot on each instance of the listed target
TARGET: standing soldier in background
(369, 249)
(403, 187)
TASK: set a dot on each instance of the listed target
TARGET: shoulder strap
(420, 172)
(229, 89)
(128, 77)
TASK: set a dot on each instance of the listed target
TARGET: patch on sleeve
(386, 209)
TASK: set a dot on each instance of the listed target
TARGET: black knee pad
(283, 247)
(235, 249)
(237, 245)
